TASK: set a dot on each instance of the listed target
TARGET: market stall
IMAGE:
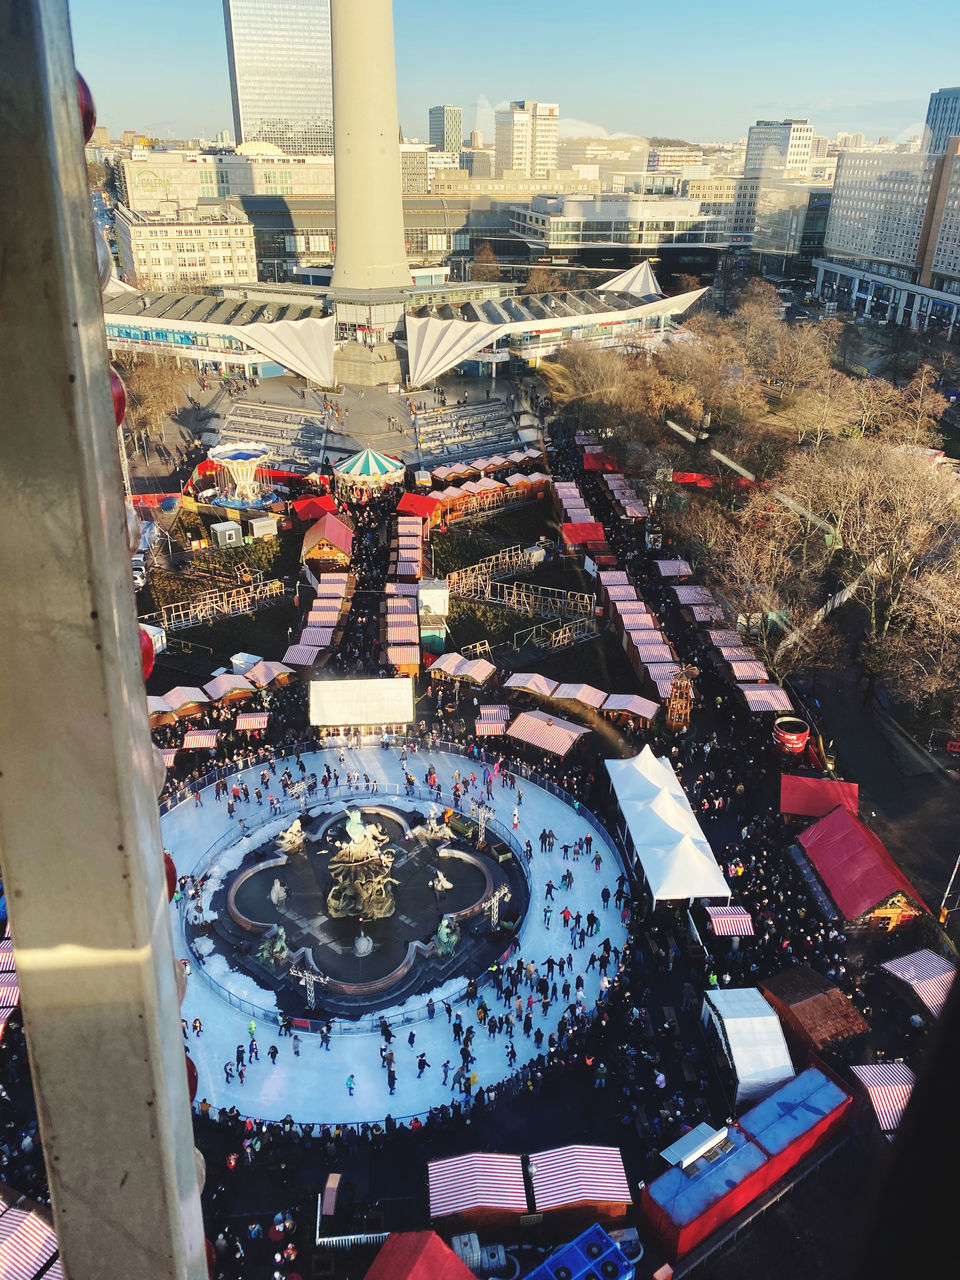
(751, 1039)
(815, 1013)
(482, 1188)
(580, 1183)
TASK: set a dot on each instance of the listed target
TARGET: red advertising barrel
(790, 733)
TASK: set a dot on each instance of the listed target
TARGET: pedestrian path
(310, 1085)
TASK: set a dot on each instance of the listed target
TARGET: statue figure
(278, 893)
(433, 828)
(292, 840)
(447, 937)
(439, 884)
(273, 950)
(361, 872)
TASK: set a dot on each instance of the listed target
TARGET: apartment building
(186, 248)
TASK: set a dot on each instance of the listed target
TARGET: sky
(701, 70)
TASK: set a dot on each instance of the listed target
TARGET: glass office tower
(281, 80)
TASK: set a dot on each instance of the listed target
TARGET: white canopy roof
(752, 1038)
(638, 280)
(670, 846)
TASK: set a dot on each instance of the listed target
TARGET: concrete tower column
(79, 835)
(371, 249)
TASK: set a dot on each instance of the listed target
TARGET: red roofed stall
(812, 797)
(584, 533)
(417, 1255)
(869, 889)
(420, 504)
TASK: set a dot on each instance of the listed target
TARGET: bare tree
(921, 409)
(919, 662)
(541, 280)
(486, 264)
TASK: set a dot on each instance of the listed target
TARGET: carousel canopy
(368, 466)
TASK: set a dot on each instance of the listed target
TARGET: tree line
(846, 548)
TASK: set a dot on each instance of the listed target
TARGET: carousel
(368, 470)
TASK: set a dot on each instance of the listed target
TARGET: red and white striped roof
(673, 568)
(707, 613)
(316, 637)
(26, 1243)
(725, 636)
(200, 739)
(7, 962)
(730, 922)
(494, 713)
(889, 1086)
(585, 693)
(749, 671)
(622, 591)
(549, 733)
(930, 976)
(693, 594)
(402, 631)
(654, 651)
(573, 1175)
(403, 655)
(479, 1181)
(632, 704)
(766, 697)
(301, 655)
(252, 720)
(169, 754)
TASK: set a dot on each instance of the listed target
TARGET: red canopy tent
(599, 462)
(314, 507)
(417, 1255)
(582, 533)
(857, 871)
(813, 797)
(418, 504)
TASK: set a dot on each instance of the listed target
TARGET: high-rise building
(526, 138)
(892, 244)
(943, 120)
(186, 248)
(281, 82)
(446, 128)
(778, 146)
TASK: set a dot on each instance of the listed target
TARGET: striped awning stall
(725, 636)
(749, 671)
(252, 720)
(622, 591)
(631, 704)
(200, 739)
(549, 733)
(585, 693)
(673, 568)
(316, 637)
(766, 697)
(169, 754)
(692, 594)
(577, 1174)
(707, 613)
(301, 655)
(7, 962)
(735, 653)
(403, 655)
(494, 713)
(26, 1243)
(482, 1180)
(888, 1086)
(402, 632)
(929, 976)
(730, 922)
(650, 652)
(531, 682)
(609, 577)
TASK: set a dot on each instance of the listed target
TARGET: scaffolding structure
(551, 636)
(226, 603)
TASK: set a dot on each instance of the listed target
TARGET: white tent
(752, 1040)
(662, 832)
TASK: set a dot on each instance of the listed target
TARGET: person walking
(272, 1054)
(446, 1071)
(228, 1072)
(422, 1065)
(197, 1026)
(600, 1076)
(253, 1051)
(352, 1084)
(240, 1055)
(296, 1046)
(391, 1079)
(547, 913)
(548, 890)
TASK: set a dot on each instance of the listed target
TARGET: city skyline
(183, 91)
